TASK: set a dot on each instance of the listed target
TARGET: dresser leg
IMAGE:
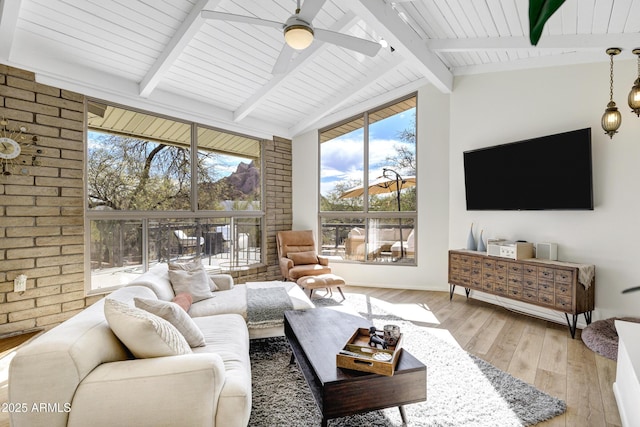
(451, 289)
(587, 317)
(572, 324)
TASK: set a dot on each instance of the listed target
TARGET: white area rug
(462, 390)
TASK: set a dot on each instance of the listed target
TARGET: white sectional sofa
(229, 298)
(81, 374)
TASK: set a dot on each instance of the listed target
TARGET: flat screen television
(550, 172)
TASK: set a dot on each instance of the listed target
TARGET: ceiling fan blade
(230, 17)
(282, 63)
(310, 9)
(635, 288)
(366, 47)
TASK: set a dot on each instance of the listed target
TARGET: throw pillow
(194, 282)
(300, 258)
(192, 265)
(144, 334)
(184, 300)
(174, 314)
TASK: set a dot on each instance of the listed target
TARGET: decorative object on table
(481, 246)
(611, 119)
(375, 340)
(358, 354)
(471, 241)
(391, 334)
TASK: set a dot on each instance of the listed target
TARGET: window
(160, 189)
(372, 223)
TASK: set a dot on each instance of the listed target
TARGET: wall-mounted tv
(550, 172)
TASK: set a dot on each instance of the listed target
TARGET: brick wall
(41, 214)
(41, 210)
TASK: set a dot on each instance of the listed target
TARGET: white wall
(498, 108)
(433, 201)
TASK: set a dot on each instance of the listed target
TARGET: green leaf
(539, 12)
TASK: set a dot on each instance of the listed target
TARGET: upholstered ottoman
(327, 281)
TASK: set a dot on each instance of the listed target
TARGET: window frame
(193, 213)
(366, 215)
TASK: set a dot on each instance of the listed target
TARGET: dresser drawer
(530, 270)
(514, 280)
(563, 303)
(454, 258)
(465, 260)
(487, 286)
(476, 262)
(563, 276)
(475, 282)
(500, 288)
(545, 298)
(529, 295)
(488, 264)
(488, 275)
(545, 273)
(563, 289)
(515, 291)
(530, 282)
(502, 266)
(515, 268)
(546, 286)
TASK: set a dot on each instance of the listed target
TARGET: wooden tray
(364, 360)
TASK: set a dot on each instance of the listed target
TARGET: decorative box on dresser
(561, 286)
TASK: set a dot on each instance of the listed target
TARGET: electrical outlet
(20, 283)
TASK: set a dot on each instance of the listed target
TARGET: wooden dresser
(550, 284)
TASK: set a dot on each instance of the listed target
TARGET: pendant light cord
(611, 77)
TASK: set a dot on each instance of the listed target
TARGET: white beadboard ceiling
(162, 56)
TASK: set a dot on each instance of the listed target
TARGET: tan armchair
(297, 255)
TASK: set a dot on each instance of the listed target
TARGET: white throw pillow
(195, 282)
(144, 334)
(193, 265)
(174, 314)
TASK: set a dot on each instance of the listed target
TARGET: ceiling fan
(299, 33)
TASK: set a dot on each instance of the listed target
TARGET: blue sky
(342, 158)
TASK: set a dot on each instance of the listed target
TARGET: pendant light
(634, 95)
(611, 119)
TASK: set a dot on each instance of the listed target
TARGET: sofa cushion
(303, 258)
(156, 279)
(144, 334)
(192, 265)
(174, 314)
(195, 282)
(184, 300)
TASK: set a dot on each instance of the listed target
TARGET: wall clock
(12, 146)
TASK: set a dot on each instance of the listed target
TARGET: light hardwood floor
(537, 351)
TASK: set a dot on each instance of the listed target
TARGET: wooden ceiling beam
(404, 40)
(180, 40)
(571, 42)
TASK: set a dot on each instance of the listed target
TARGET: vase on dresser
(471, 241)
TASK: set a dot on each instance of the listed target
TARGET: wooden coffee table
(316, 336)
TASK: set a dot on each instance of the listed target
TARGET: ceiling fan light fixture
(298, 36)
